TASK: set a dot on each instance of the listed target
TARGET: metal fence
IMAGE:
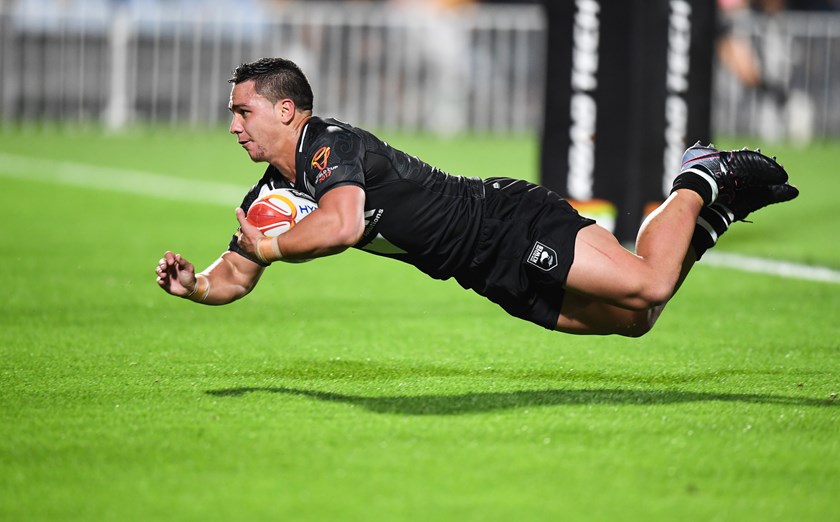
(379, 65)
(388, 67)
(799, 54)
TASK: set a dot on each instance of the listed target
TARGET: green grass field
(355, 388)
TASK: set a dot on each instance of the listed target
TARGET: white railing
(799, 54)
(379, 65)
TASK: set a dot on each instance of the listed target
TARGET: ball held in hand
(278, 210)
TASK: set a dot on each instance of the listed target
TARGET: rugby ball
(277, 211)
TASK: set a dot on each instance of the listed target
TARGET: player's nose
(235, 126)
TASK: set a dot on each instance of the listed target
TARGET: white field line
(773, 267)
(180, 189)
(120, 180)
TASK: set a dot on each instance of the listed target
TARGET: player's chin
(256, 154)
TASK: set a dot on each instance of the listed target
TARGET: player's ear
(286, 108)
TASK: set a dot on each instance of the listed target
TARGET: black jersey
(413, 212)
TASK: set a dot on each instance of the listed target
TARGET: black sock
(712, 222)
(699, 181)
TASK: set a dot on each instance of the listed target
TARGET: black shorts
(525, 249)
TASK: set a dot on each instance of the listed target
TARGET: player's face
(255, 122)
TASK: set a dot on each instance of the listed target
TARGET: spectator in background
(442, 42)
(736, 53)
(783, 111)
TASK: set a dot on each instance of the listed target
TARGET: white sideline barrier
(379, 65)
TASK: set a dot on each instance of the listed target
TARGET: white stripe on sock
(709, 179)
(729, 213)
(709, 228)
(724, 216)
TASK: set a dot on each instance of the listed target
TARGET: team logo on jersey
(542, 257)
(320, 163)
(320, 159)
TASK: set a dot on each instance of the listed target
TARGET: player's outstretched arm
(336, 225)
(229, 278)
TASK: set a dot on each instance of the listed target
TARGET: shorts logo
(542, 257)
(320, 159)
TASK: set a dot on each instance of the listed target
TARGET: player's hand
(175, 274)
(249, 235)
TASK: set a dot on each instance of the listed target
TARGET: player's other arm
(336, 225)
(229, 278)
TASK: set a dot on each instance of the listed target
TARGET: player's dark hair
(276, 79)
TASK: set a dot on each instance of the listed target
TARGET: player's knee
(641, 322)
(653, 294)
(639, 325)
(635, 323)
(644, 290)
(643, 300)
(638, 329)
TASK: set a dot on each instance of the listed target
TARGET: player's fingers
(186, 265)
(163, 266)
(245, 226)
(240, 216)
(182, 263)
(162, 269)
(164, 281)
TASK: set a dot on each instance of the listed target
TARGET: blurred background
(443, 67)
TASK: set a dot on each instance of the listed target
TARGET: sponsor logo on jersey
(542, 257)
(320, 159)
(374, 242)
(372, 218)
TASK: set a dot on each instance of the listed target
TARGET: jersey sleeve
(337, 158)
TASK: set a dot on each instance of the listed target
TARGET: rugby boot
(751, 199)
(730, 170)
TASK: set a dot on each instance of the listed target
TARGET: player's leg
(582, 314)
(585, 315)
(610, 290)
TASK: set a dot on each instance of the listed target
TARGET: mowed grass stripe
(119, 180)
(212, 192)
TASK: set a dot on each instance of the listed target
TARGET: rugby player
(518, 244)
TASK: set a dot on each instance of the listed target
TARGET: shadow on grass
(484, 402)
